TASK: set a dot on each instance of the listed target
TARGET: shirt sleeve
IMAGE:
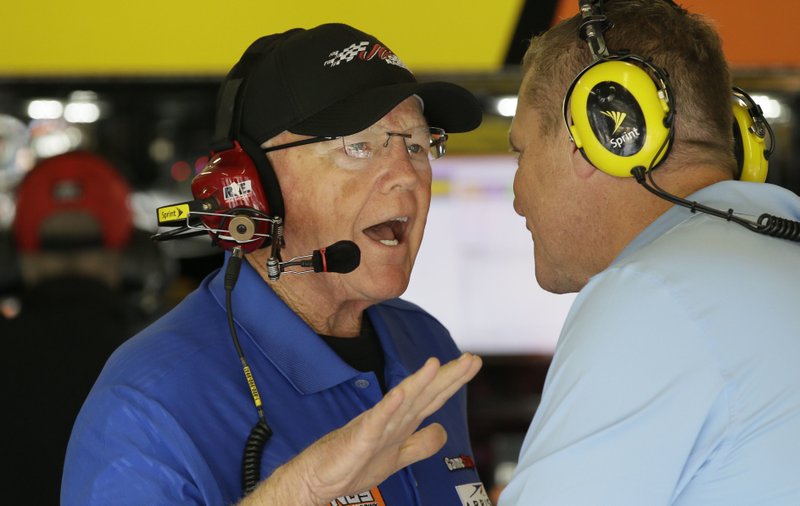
(126, 449)
(634, 401)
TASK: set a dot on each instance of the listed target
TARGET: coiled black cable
(782, 228)
(779, 227)
(251, 461)
(261, 432)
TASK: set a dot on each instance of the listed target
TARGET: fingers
(447, 381)
(401, 411)
(374, 422)
(433, 379)
(420, 379)
(456, 373)
(468, 367)
(383, 439)
(422, 444)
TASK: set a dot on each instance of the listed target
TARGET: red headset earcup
(232, 180)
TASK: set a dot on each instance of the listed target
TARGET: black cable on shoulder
(261, 432)
(768, 224)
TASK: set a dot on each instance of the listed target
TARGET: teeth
(376, 231)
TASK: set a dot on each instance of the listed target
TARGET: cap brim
(447, 106)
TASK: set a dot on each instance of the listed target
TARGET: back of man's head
(682, 44)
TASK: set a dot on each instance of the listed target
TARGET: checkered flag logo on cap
(346, 54)
(361, 50)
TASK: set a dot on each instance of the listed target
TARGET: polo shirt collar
(285, 340)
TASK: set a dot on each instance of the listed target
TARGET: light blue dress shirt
(676, 378)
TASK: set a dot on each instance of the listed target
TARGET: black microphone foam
(341, 257)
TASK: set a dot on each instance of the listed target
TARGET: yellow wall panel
(207, 37)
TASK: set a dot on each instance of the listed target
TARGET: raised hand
(374, 445)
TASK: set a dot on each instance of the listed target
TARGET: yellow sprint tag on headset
(176, 212)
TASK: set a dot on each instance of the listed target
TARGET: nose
(399, 172)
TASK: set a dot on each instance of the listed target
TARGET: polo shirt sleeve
(134, 456)
(633, 404)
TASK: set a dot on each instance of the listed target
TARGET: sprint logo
(617, 116)
(629, 134)
(172, 213)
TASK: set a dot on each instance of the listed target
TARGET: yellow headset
(619, 111)
(619, 115)
(751, 132)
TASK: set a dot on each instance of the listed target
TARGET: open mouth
(390, 232)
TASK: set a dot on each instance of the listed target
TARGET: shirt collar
(746, 199)
(670, 219)
(280, 335)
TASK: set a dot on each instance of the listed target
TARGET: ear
(580, 166)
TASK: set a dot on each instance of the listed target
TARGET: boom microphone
(341, 257)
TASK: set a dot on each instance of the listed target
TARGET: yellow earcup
(619, 118)
(750, 136)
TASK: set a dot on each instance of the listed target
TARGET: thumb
(422, 444)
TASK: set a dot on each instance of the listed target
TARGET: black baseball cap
(331, 80)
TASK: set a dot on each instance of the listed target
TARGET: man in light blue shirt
(675, 378)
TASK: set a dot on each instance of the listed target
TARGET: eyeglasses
(422, 144)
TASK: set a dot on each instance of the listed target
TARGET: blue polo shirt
(167, 420)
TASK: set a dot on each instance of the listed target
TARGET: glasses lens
(422, 143)
(359, 146)
(438, 143)
(426, 143)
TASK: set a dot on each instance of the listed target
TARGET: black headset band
(228, 129)
(226, 110)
